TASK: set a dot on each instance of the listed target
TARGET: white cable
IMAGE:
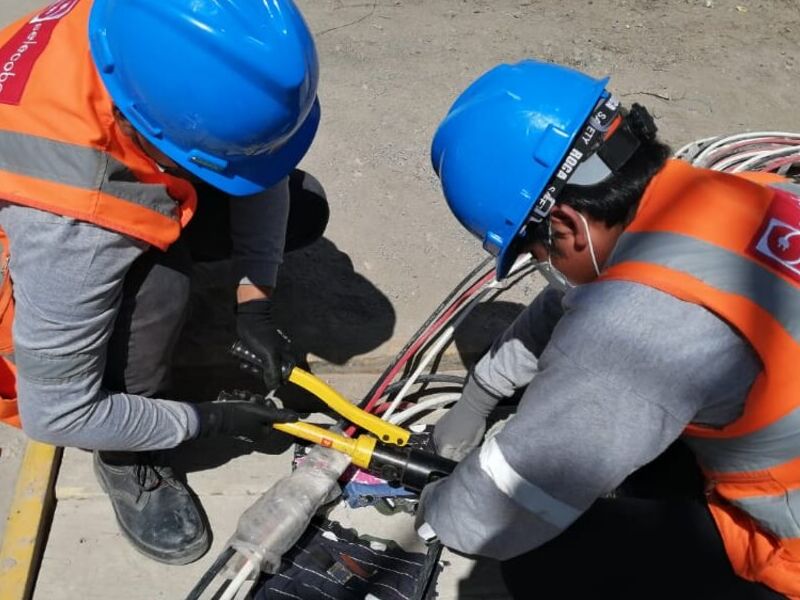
(423, 405)
(423, 364)
(446, 335)
(522, 260)
(699, 143)
(732, 160)
(725, 140)
(239, 580)
(764, 156)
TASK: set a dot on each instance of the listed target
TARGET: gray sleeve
(67, 278)
(258, 234)
(513, 359)
(627, 368)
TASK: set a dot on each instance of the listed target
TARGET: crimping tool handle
(383, 430)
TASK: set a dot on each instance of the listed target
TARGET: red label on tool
(326, 442)
(778, 240)
(20, 53)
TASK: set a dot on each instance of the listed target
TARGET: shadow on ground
(482, 326)
(321, 302)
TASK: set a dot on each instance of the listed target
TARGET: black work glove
(257, 331)
(241, 415)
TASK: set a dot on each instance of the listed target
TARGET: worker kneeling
(672, 320)
(137, 137)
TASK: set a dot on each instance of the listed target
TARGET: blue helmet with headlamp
(515, 138)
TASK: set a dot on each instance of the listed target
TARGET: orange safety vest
(733, 246)
(62, 151)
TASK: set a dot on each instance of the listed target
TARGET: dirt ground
(389, 71)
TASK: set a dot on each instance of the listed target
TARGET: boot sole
(190, 555)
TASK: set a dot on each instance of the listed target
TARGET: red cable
(420, 341)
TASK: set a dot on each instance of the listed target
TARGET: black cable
(426, 378)
(475, 275)
(483, 264)
(458, 320)
(464, 313)
(211, 573)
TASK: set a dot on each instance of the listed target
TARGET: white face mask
(555, 277)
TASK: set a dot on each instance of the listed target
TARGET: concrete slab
(12, 448)
(87, 557)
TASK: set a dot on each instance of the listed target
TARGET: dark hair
(615, 200)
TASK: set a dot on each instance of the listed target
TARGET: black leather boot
(155, 511)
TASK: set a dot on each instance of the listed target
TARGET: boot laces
(150, 476)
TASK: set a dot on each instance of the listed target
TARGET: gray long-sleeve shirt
(68, 277)
(625, 369)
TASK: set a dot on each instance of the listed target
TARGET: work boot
(155, 511)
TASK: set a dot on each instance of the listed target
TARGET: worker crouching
(137, 138)
(671, 323)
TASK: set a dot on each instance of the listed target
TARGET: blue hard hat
(228, 90)
(502, 142)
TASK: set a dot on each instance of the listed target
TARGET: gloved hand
(259, 333)
(241, 415)
(461, 429)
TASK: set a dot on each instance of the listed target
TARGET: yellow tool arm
(386, 432)
(359, 449)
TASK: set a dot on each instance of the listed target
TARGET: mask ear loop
(591, 246)
(549, 243)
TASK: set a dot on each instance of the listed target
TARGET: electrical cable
(437, 347)
(417, 343)
(722, 141)
(426, 378)
(428, 322)
(752, 151)
(423, 406)
(760, 157)
(211, 573)
(447, 334)
(239, 580)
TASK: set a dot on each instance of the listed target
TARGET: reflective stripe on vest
(61, 148)
(80, 167)
(728, 245)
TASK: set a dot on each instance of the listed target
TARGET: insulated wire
(422, 406)
(755, 151)
(426, 378)
(448, 333)
(211, 573)
(760, 157)
(438, 346)
(434, 315)
(725, 140)
(417, 343)
(239, 580)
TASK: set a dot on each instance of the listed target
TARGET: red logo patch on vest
(19, 54)
(778, 240)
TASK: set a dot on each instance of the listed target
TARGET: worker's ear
(569, 233)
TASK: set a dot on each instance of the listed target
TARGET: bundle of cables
(431, 341)
(772, 151)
